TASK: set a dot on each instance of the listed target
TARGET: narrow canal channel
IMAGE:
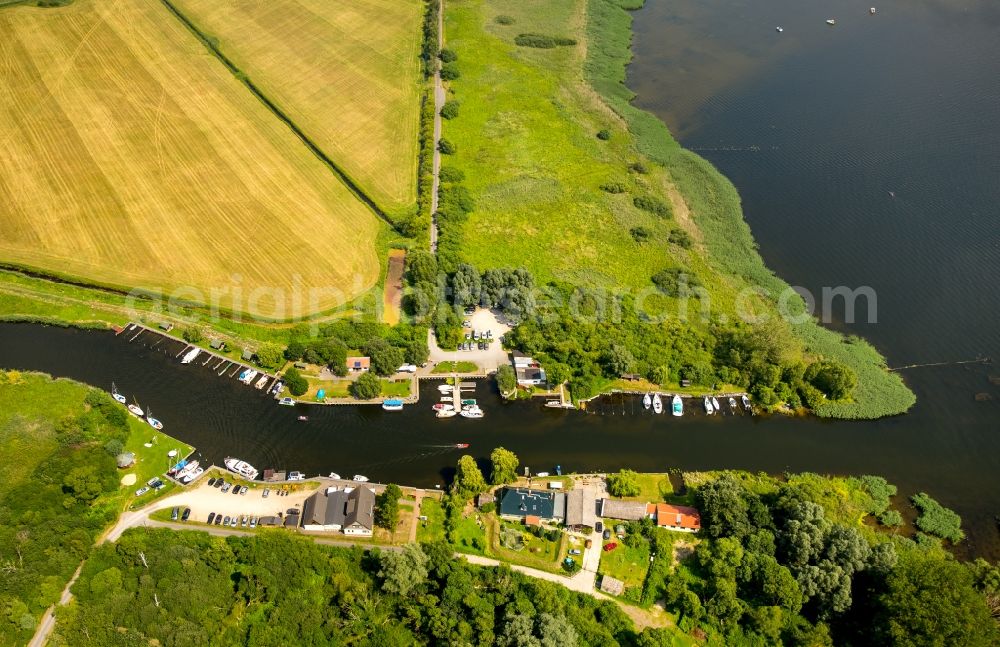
(222, 417)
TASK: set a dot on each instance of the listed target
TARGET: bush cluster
(541, 41)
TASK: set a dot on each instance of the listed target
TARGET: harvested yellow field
(347, 73)
(131, 157)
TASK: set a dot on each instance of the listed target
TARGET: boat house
(678, 517)
(581, 509)
(625, 510)
(518, 503)
(358, 364)
(529, 372)
(350, 510)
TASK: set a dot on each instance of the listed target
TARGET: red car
(610, 546)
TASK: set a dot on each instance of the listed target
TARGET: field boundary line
(242, 77)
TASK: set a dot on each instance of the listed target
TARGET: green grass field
(132, 158)
(626, 564)
(348, 74)
(433, 528)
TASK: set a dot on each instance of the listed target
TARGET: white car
(142, 490)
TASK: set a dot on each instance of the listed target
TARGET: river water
(815, 126)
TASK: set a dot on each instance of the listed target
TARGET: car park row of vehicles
(235, 521)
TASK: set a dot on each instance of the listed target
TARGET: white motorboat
(715, 404)
(441, 406)
(472, 412)
(831, 21)
(646, 401)
(657, 404)
(676, 406)
(243, 468)
(779, 29)
(261, 382)
(732, 404)
(193, 475)
(360, 479)
(334, 476)
(153, 422)
(872, 11)
(542, 474)
(393, 404)
(190, 355)
(446, 413)
(116, 395)
(444, 388)
(186, 471)
(746, 404)
(287, 402)
(708, 406)
(248, 378)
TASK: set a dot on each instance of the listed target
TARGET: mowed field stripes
(129, 156)
(347, 73)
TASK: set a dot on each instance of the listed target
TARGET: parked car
(466, 324)
(468, 335)
(218, 519)
(243, 490)
(489, 334)
(267, 492)
(588, 543)
(211, 482)
(607, 534)
(174, 513)
(225, 522)
(610, 547)
(186, 515)
(234, 522)
(253, 522)
(243, 521)
(475, 334)
(159, 484)
(599, 526)
(153, 480)
(226, 486)
(219, 482)
(470, 311)
(574, 551)
(211, 518)
(142, 490)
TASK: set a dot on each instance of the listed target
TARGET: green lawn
(653, 488)
(455, 367)
(626, 564)
(468, 536)
(537, 552)
(433, 528)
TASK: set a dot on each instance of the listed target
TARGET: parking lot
(205, 499)
(494, 355)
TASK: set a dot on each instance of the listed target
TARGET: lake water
(815, 126)
(866, 153)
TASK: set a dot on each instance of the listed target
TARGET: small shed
(612, 586)
(247, 355)
(555, 485)
(166, 326)
(483, 498)
(125, 460)
(217, 344)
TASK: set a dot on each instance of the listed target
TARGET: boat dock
(629, 402)
(206, 358)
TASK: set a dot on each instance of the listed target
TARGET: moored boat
(746, 404)
(715, 404)
(461, 445)
(732, 404)
(444, 388)
(441, 406)
(708, 406)
(261, 382)
(657, 404)
(136, 410)
(676, 406)
(153, 422)
(779, 29)
(243, 468)
(116, 395)
(446, 413)
(193, 475)
(335, 476)
(190, 355)
(831, 21)
(472, 412)
(303, 418)
(646, 401)
(393, 404)
(287, 402)
(468, 402)
(360, 478)
(248, 378)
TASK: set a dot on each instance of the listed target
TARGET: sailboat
(657, 404)
(153, 422)
(677, 407)
(715, 404)
(646, 401)
(116, 395)
(135, 409)
(190, 355)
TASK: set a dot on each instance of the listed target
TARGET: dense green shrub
(624, 483)
(450, 72)
(366, 387)
(446, 147)
(451, 174)
(936, 519)
(503, 19)
(614, 187)
(542, 41)
(640, 234)
(450, 109)
(890, 518)
(652, 204)
(604, 134)
(297, 385)
(448, 55)
(680, 238)
(674, 281)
